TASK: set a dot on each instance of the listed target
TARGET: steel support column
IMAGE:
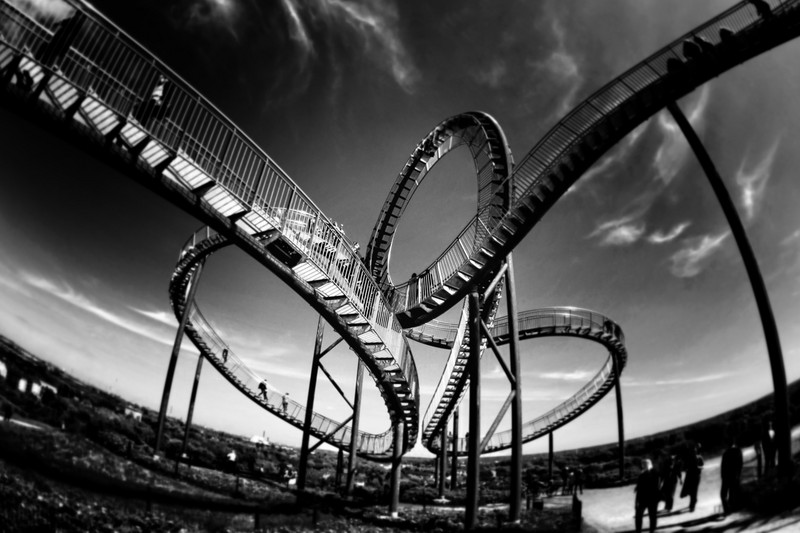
(474, 440)
(442, 460)
(515, 475)
(190, 414)
(550, 455)
(781, 402)
(351, 464)
(173, 360)
(397, 459)
(620, 419)
(339, 469)
(302, 468)
(454, 460)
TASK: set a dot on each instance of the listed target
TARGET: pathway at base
(611, 510)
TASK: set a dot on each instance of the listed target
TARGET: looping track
(96, 87)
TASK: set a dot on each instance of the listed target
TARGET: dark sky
(339, 92)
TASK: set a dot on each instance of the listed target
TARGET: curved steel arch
(570, 148)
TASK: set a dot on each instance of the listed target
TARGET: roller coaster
(87, 80)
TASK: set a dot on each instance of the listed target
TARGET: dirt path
(611, 510)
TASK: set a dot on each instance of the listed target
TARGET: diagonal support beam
(328, 436)
(333, 345)
(497, 420)
(490, 289)
(335, 385)
(496, 350)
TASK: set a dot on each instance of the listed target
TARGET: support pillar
(515, 475)
(781, 402)
(442, 460)
(454, 463)
(339, 470)
(474, 440)
(550, 455)
(173, 360)
(190, 414)
(397, 459)
(620, 420)
(302, 468)
(351, 465)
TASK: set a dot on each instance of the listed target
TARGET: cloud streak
(689, 260)
(752, 182)
(658, 237)
(671, 155)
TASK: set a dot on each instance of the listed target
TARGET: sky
(338, 93)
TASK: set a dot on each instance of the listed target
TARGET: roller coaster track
(96, 86)
(555, 321)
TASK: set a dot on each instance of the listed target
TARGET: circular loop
(486, 142)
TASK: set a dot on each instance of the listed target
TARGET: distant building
(132, 412)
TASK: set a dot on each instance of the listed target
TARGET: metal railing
(109, 69)
(532, 174)
(570, 321)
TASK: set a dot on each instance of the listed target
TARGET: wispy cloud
(51, 8)
(688, 261)
(577, 375)
(159, 316)
(561, 67)
(492, 76)
(671, 155)
(619, 232)
(66, 293)
(220, 13)
(753, 181)
(677, 381)
(659, 237)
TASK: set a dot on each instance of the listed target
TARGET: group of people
(653, 487)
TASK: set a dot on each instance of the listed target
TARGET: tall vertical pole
(442, 461)
(173, 360)
(454, 460)
(190, 414)
(351, 464)
(474, 440)
(515, 476)
(339, 468)
(302, 468)
(397, 459)
(550, 456)
(781, 401)
(620, 419)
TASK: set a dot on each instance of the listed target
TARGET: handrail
(111, 71)
(533, 174)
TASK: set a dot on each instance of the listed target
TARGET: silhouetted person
(224, 355)
(694, 467)
(768, 446)
(691, 50)
(262, 388)
(579, 480)
(762, 8)
(53, 51)
(285, 402)
(156, 106)
(731, 472)
(412, 290)
(671, 476)
(647, 496)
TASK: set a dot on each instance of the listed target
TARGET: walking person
(262, 388)
(646, 496)
(768, 446)
(672, 477)
(731, 472)
(694, 468)
(285, 402)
